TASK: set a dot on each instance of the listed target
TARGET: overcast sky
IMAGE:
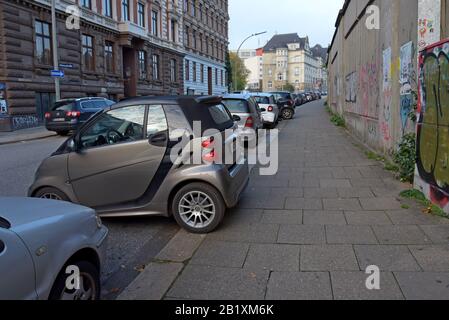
(315, 18)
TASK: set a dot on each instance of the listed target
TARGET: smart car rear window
(236, 105)
(4, 223)
(220, 114)
(262, 100)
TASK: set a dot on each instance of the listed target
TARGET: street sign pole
(55, 49)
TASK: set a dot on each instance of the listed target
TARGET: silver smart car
(42, 243)
(121, 162)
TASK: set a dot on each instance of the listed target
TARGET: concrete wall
(369, 83)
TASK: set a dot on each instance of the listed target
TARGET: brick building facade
(123, 48)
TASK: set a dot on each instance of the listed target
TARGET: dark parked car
(69, 114)
(286, 104)
(134, 159)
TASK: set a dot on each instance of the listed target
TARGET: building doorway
(44, 102)
(209, 80)
(129, 72)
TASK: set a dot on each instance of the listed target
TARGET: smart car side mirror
(236, 118)
(263, 110)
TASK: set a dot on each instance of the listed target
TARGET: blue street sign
(57, 73)
(66, 65)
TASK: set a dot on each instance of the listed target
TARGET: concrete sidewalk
(25, 135)
(309, 232)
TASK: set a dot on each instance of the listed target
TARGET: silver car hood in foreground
(21, 212)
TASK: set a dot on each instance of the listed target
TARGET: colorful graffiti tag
(385, 116)
(406, 78)
(433, 124)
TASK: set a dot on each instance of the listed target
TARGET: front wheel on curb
(287, 114)
(87, 287)
(198, 208)
(51, 194)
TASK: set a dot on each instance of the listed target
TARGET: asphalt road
(132, 242)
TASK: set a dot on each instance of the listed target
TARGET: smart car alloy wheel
(197, 209)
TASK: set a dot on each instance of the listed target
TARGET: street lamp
(238, 51)
(55, 49)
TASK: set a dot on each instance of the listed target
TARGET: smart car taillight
(249, 122)
(210, 156)
(270, 109)
(208, 143)
(47, 115)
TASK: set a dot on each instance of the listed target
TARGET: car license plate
(58, 119)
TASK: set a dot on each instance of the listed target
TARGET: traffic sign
(57, 73)
(66, 65)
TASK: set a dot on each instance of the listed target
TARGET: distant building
(289, 60)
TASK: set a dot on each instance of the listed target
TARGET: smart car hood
(23, 212)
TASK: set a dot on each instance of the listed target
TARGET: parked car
(286, 104)
(300, 99)
(120, 162)
(268, 107)
(246, 110)
(39, 239)
(69, 114)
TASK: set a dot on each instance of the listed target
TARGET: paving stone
(349, 193)
(316, 218)
(350, 235)
(283, 218)
(342, 204)
(305, 204)
(432, 258)
(221, 254)
(153, 282)
(380, 204)
(320, 193)
(238, 217)
(299, 286)
(367, 218)
(387, 258)
(255, 233)
(335, 183)
(352, 286)
(404, 235)
(288, 192)
(438, 234)
(257, 202)
(367, 182)
(322, 212)
(413, 217)
(181, 247)
(328, 258)
(290, 234)
(273, 257)
(304, 183)
(424, 285)
(212, 283)
(385, 191)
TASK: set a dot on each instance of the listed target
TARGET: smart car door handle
(2, 246)
(159, 139)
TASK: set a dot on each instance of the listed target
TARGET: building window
(187, 71)
(155, 66)
(187, 36)
(193, 11)
(88, 52)
(109, 56)
(173, 71)
(43, 43)
(86, 4)
(270, 84)
(155, 22)
(107, 8)
(216, 77)
(142, 60)
(202, 73)
(194, 72)
(173, 31)
(194, 44)
(125, 10)
(280, 77)
(141, 14)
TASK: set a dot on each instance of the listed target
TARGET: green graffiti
(434, 136)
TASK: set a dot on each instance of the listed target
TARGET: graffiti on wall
(433, 124)
(369, 89)
(385, 116)
(351, 87)
(406, 79)
(3, 105)
(24, 122)
(428, 22)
